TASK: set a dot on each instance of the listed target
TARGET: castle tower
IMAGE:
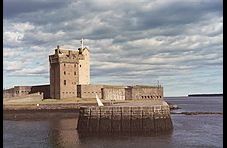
(68, 68)
(84, 67)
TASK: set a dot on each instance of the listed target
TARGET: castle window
(80, 65)
(64, 72)
(145, 97)
(74, 65)
(64, 82)
(142, 97)
(148, 97)
(74, 73)
(64, 64)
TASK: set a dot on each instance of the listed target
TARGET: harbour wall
(131, 120)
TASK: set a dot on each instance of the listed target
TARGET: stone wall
(84, 67)
(22, 91)
(45, 89)
(89, 91)
(147, 92)
(132, 92)
(8, 93)
(113, 93)
(68, 80)
(16, 91)
(54, 80)
(124, 120)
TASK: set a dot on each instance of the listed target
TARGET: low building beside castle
(20, 91)
(70, 78)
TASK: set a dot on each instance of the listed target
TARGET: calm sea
(59, 129)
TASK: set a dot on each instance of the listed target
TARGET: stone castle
(70, 78)
(67, 70)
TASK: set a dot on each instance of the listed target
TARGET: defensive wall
(120, 92)
(105, 92)
(89, 91)
(23, 91)
(113, 92)
(147, 92)
(45, 89)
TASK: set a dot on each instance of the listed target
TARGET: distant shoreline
(204, 95)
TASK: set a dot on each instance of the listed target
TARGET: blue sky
(178, 43)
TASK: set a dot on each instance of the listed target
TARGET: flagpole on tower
(82, 43)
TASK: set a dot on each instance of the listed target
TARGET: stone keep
(68, 68)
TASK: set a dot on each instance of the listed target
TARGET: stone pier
(124, 120)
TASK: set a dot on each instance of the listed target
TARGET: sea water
(59, 129)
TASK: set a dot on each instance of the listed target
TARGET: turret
(57, 50)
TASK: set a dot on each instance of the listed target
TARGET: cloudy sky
(178, 43)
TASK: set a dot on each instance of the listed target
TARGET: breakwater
(124, 120)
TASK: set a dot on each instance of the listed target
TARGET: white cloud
(12, 65)
(22, 27)
(130, 41)
(12, 37)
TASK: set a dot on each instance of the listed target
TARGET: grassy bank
(56, 104)
(49, 104)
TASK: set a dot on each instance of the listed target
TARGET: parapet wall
(23, 91)
(45, 89)
(124, 120)
(16, 91)
(144, 92)
(120, 92)
(113, 93)
(89, 91)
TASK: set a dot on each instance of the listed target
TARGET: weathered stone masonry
(124, 120)
(26, 91)
(68, 68)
